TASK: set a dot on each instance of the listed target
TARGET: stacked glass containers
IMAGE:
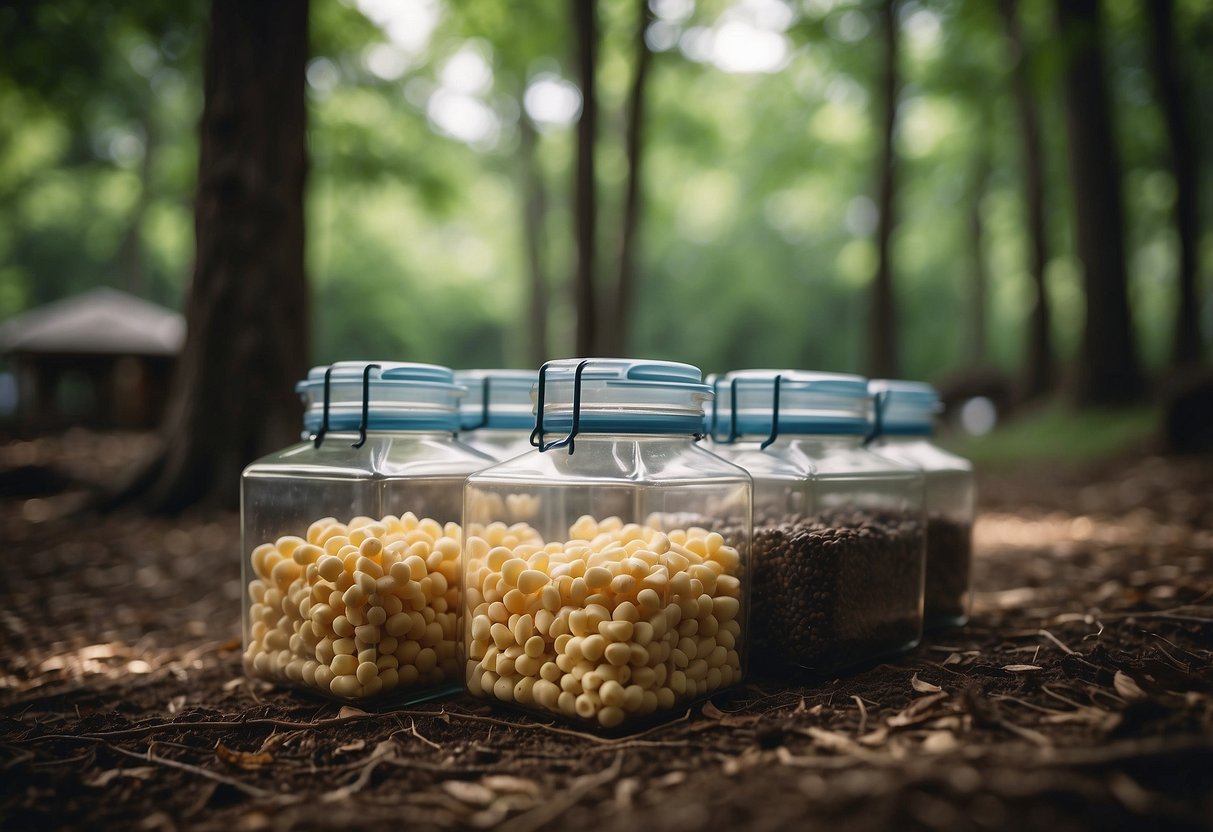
(905, 424)
(496, 417)
(353, 540)
(606, 571)
(838, 536)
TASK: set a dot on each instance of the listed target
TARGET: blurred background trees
(738, 215)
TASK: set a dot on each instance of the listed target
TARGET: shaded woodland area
(1017, 125)
(1010, 199)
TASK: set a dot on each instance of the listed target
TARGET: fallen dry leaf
(104, 778)
(243, 759)
(349, 712)
(509, 783)
(923, 687)
(916, 712)
(1127, 687)
(875, 738)
(940, 742)
(466, 792)
(1021, 668)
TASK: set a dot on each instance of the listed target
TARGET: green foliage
(1058, 435)
(756, 233)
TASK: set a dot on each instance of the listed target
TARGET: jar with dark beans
(836, 589)
(949, 561)
(838, 547)
(906, 425)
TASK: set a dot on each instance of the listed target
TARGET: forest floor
(1080, 696)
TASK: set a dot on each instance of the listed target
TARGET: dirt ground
(1080, 696)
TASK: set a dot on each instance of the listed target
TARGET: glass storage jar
(838, 538)
(905, 423)
(496, 417)
(352, 537)
(606, 570)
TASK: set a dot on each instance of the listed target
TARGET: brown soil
(1080, 697)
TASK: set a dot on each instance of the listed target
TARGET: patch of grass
(1058, 433)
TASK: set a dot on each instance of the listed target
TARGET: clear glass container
(353, 539)
(838, 537)
(906, 423)
(496, 416)
(606, 572)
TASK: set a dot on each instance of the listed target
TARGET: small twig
(413, 730)
(863, 716)
(552, 728)
(1061, 645)
(252, 791)
(210, 724)
(1050, 692)
(1028, 734)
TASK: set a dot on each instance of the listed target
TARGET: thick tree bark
(1170, 84)
(882, 321)
(247, 310)
(616, 332)
(1040, 372)
(1108, 371)
(585, 30)
(535, 209)
(979, 286)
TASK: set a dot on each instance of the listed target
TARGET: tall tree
(1171, 87)
(979, 286)
(616, 332)
(535, 201)
(1108, 371)
(585, 31)
(1039, 376)
(882, 321)
(246, 313)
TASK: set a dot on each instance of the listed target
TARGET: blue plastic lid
(497, 399)
(810, 403)
(401, 396)
(905, 408)
(623, 395)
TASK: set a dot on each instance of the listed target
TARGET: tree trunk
(1108, 372)
(585, 32)
(1040, 372)
(977, 252)
(617, 331)
(535, 209)
(882, 323)
(1170, 84)
(246, 313)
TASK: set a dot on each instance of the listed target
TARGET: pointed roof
(100, 321)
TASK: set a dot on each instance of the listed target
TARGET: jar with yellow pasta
(352, 538)
(598, 584)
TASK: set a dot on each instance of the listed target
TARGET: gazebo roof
(101, 321)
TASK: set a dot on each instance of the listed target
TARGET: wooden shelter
(103, 358)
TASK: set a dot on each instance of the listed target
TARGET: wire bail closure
(324, 419)
(774, 414)
(537, 434)
(366, 404)
(880, 401)
(732, 437)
